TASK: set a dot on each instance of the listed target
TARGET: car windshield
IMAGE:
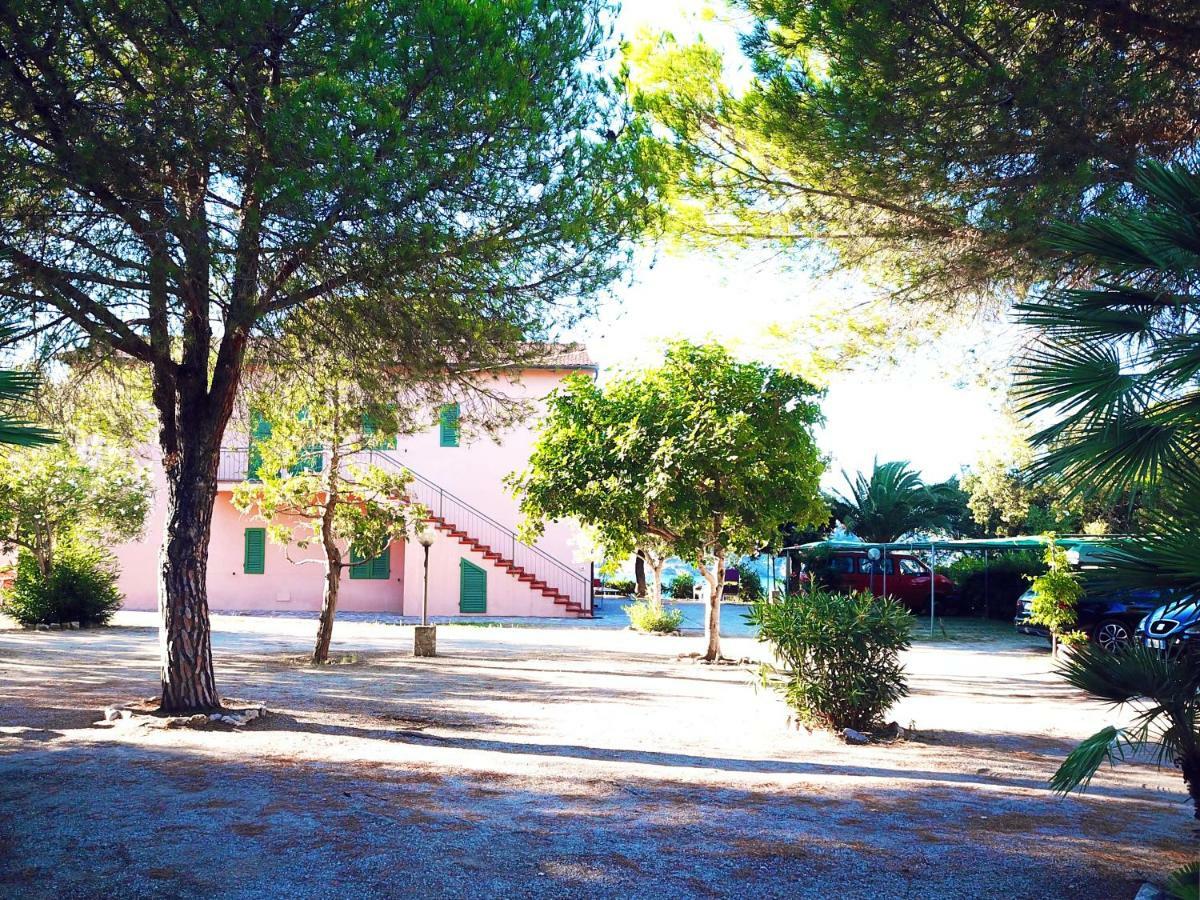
(911, 567)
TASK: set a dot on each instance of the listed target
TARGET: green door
(472, 590)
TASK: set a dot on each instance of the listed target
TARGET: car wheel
(1111, 635)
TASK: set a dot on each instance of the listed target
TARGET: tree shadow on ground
(233, 824)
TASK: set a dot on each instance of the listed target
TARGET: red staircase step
(510, 567)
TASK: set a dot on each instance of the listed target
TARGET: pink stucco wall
(474, 471)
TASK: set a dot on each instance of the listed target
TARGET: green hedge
(994, 593)
(681, 587)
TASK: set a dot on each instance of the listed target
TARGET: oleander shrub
(681, 587)
(81, 587)
(654, 619)
(839, 655)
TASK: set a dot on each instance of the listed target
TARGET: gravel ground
(552, 762)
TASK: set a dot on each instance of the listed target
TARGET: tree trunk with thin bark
(333, 570)
(329, 601)
(656, 567)
(639, 574)
(712, 618)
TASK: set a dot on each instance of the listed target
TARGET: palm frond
(1109, 745)
(1117, 366)
(1184, 882)
(1164, 557)
(1135, 673)
(17, 387)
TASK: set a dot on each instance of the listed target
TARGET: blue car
(1109, 618)
(1175, 626)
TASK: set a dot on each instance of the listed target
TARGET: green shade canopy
(1080, 543)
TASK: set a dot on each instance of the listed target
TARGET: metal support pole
(885, 570)
(932, 576)
(986, 607)
(425, 598)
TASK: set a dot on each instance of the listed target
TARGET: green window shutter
(260, 430)
(376, 440)
(376, 569)
(254, 561)
(381, 566)
(472, 595)
(312, 459)
(449, 425)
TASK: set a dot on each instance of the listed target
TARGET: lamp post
(425, 635)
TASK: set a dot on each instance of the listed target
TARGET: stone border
(138, 715)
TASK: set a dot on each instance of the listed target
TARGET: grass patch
(952, 630)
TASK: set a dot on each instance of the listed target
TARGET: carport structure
(1082, 548)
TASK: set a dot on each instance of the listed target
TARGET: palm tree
(1117, 366)
(1164, 694)
(893, 501)
(16, 387)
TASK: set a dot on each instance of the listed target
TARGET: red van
(907, 579)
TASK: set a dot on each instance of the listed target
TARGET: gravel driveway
(551, 762)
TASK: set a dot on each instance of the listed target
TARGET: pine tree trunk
(188, 685)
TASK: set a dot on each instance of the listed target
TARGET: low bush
(625, 586)
(655, 619)
(681, 587)
(840, 655)
(81, 587)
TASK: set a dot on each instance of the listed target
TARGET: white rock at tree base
(850, 736)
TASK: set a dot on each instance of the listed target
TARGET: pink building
(477, 565)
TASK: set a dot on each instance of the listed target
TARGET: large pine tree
(177, 179)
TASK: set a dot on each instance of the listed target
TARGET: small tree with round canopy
(708, 455)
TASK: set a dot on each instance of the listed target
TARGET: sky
(923, 411)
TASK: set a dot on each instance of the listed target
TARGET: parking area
(554, 761)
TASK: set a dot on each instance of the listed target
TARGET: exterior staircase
(496, 543)
(473, 528)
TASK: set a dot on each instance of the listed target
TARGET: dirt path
(551, 762)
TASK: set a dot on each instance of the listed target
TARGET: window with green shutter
(312, 459)
(472, 593)
(254, 562)
(449, 425)
(375, 569)
(260, 430)
(376, 439)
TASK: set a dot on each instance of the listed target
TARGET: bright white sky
(916, 412)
